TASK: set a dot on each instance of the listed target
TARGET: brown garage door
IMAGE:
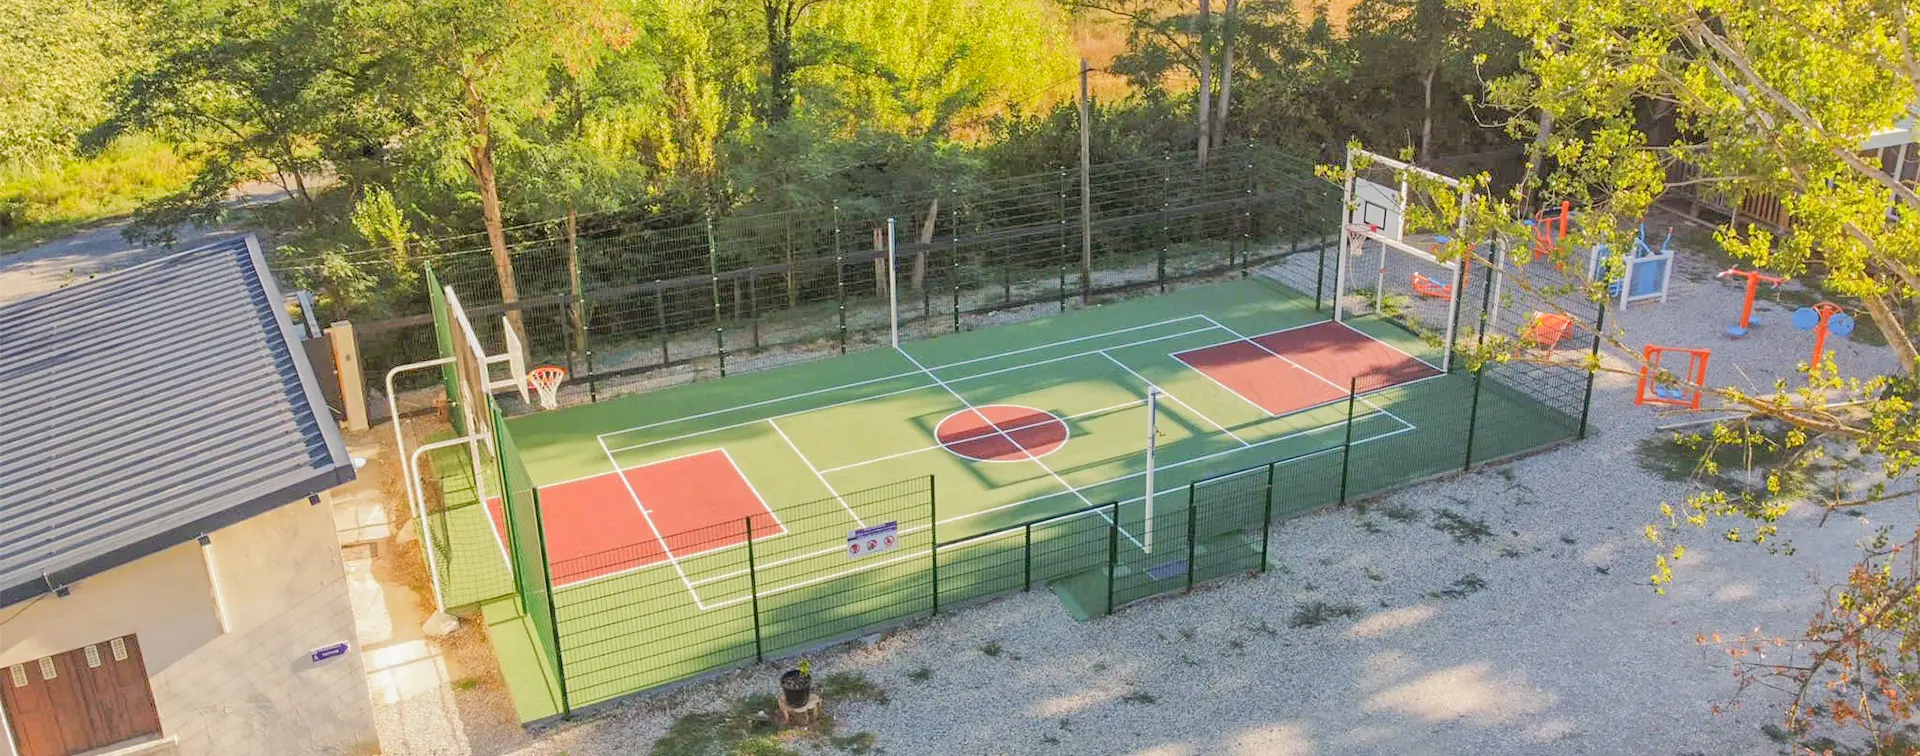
(79, 700)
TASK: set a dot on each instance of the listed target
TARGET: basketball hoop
(546, 380)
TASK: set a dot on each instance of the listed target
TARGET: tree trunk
(779, 60)
(1426, 113)
(1226, 75)
(926, 242)
(1896, 332)
(480, 165)
(1206, 77)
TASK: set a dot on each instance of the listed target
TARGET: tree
(1623, 99)
(469, 73)
(60, 58)
(783, 17)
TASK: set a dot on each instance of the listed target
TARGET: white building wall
(253, 689)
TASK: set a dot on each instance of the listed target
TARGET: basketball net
(546, 380)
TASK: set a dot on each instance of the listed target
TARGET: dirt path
(103, 249)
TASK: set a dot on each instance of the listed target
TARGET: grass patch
(743, 728)
(992, 648)
(1734, 468)
(1400, 513)
(1461, 529)
(466, 683)
(40, 203)
(1140, 697)
(858, 744)
(1373, 574)
(852, 686)
(921, 674)
(1462, 587)
(1317, 613)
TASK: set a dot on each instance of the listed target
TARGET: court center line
(1083, 513)
(1303, 368)
(962, 379)
(1024, 450)
(905, 374)
(816, 472)
(1037, 424)
(1176, 400)
(664, 548)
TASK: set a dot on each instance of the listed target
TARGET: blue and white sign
(327, 652)
(873, 540)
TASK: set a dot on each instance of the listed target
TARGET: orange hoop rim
(546, 376)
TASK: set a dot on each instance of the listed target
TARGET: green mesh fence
(443, 341)
(527, 543)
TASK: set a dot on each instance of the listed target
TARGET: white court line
(816, 473)
(1101, 511)
(910, 373)
(1016, 445)
(1303, 368)
(1176, 400)
(650, 526)
(924, 449)
(1383, 342)
(962, 379)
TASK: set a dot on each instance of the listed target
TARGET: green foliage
(1317, 613)
(852, 686)
(60, 59)
(39, 198)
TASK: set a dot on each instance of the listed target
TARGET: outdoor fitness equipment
(1648, 270)
(1548, 229)
(1822, 319)
(1754, 278)
(546, 381)
(1658, 385)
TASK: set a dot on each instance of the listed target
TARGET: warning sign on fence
(872, 540)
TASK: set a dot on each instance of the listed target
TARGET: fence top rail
(1000, 531)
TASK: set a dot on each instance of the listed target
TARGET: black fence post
(1586, 407)
(1193, 537)
(753, 591)
(1246, 218)
(933, 551)
(1113, 552)
(1026, 570)
(1319, 276)
(713, 282)
(1062, 258)
(660, 313)
(953, 252)
(840, 278)
(1473, 417)
(1266, 517)
(753, 304)
(1166, 230)
(1346, 447)
(593, 383)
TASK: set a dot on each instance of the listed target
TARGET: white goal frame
(1391, 238)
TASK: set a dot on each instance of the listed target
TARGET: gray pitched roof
(143, 408)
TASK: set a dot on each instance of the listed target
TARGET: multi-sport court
(1107, 453)
(647, 500)
(1012, 424)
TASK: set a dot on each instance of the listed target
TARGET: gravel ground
(1505, 611)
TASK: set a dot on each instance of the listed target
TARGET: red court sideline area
(1289, 371)
(697, 503)
(1341, 354)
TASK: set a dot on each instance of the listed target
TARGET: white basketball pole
(893, 291)
(1346, 218)
(1153, 441)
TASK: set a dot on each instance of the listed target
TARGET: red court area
(1289, 371)
(697, 503)
(1001, 433)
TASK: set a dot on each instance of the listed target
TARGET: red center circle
(1002, 433)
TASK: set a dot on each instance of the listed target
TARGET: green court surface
(647, 499)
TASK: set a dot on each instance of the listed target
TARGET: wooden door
(80, 700)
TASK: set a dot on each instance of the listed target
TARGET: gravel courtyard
(1504, 611)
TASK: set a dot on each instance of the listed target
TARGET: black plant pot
(797, 686)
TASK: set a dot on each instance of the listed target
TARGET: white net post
(893, 290)
(1153, 442)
